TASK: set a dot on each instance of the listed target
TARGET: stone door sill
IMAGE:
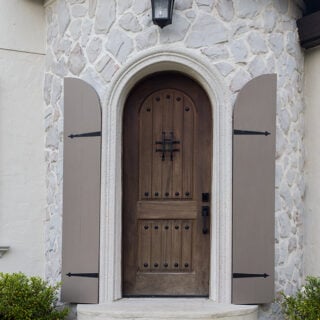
(166, 308)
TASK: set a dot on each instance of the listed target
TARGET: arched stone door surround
(208, 77)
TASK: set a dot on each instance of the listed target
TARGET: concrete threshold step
(164, 308)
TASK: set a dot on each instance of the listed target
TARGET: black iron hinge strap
(86, 134)
(249, 132)
(85, 275)
(250, 275)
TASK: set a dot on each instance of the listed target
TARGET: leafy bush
(28, 298)
(305, 305)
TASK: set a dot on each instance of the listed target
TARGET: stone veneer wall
(93, 39)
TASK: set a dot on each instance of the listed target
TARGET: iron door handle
(205, 214)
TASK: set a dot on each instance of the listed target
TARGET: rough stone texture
(206, 31)
(94, 48)
(63, 16)
(86, 28)
(130, 22)
(119, 44)
(176, 31)
(105, 15)
(123, 5)
(92, 8)
(247, 9)
(239, 50)
(242, 39)
(205, 5)
(239, 80)
(257, 43)
(107, 67)
(217, 52)
(276, 43)
(225, 9)
(75, 29)
(146, 39)
(140, 6)
(78, 11)
(47, 88)
(269, 20)
(183, 4)
(77, 60)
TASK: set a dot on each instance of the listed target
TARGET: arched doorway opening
(166, 180)
(182, 61)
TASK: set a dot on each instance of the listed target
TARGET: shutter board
(81, 192)
(254, 192)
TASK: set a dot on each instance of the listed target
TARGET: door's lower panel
(165, 246)
(173, 284)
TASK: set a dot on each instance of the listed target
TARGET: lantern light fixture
(162, 12)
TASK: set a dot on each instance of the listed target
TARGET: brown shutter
(81, 192)
(253, 191)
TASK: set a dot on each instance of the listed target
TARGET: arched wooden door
(167, 154)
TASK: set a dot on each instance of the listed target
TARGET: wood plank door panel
(167, 151)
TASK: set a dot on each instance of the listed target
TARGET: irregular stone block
(123, 5)
(276, 43)
(140, 6)
(257, 43)
(183, 4)
(257, 67)
(225, 9)
(94, 49)
(78, 11)
(109, 70)
(56, 91)
(146, 39)
(218, 51)
(239, 50)
(239, 80)
(269, 20)
(92, 8)
(105, 15)
(130, 22)
(75, 29)
(248, 8)
(206, 31)
(47, 88)
(76, 61)
(205, 5)
(119, 44)
(63, 16)
(224, 68)
(176, 31)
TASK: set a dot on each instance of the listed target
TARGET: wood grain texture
(168, 214)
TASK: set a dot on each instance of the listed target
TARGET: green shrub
(305, 305)
(28, 298)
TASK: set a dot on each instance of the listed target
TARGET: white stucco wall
(22, 163)
(312, 134)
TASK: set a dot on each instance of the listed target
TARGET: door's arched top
(156, 60)
(160, 93)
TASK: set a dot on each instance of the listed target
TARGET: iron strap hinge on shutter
(249, 132)
(85, 275)
(87, 134)
(250, 275)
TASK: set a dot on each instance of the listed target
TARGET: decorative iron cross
(167, 145)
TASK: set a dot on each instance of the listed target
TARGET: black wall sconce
(162, 12)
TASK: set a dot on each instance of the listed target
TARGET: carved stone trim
(198, 68)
